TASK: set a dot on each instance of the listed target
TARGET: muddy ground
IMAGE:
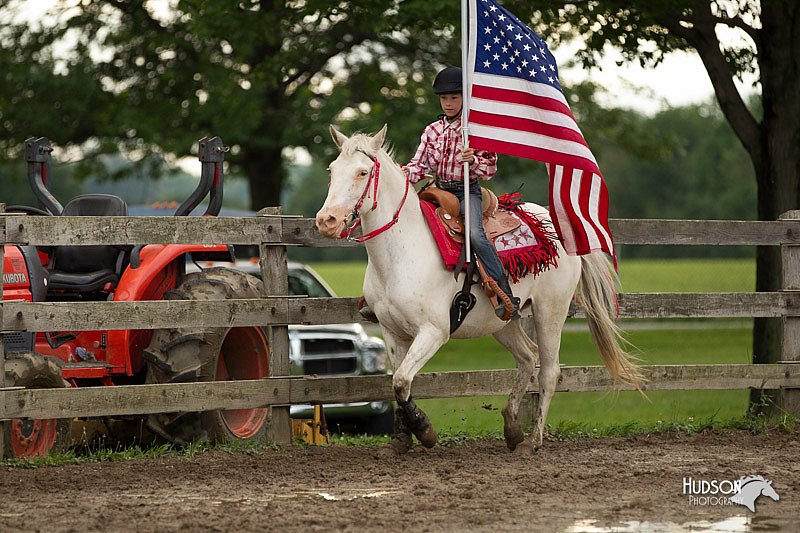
(588, 485)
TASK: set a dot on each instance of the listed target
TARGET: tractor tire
(180, 355)
(26, 438)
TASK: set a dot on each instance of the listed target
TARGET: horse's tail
(597, 296)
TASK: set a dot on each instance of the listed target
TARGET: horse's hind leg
(548, 336)
(425, 344)
(526, 353)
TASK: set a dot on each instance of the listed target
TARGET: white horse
(410, 291)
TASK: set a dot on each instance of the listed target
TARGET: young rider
(441, 152)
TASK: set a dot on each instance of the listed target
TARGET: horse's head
(351, 174)
(769, 492)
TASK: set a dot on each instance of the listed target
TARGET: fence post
(2, 340)
(789, 399)
(275, 273)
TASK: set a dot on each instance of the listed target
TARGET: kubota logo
(15, 278)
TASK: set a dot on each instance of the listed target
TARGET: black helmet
(447, 81)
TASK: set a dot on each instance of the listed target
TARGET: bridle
(374, 176)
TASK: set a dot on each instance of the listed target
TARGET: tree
(769, 46)
(265, 75)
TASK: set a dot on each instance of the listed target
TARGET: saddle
(495, 222)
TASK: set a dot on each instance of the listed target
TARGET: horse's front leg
(397, 348)
(425, 344)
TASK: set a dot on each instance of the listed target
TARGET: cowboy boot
(500, 309)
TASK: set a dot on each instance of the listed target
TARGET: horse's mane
(362, 141)
(748, 479)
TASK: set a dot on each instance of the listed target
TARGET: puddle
(734, 524)
(264, 498)
(347, 497)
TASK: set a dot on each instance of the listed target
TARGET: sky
(679, 80)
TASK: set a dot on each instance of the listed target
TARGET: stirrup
(500, 310)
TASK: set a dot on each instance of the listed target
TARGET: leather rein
(374, 176)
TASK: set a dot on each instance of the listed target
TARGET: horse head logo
(751, 487)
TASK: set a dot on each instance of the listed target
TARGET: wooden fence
(274, 232)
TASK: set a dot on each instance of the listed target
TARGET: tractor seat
(88, 268)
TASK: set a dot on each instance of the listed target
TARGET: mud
(629, 484)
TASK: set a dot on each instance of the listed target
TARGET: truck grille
(324, 356)
(330, 366)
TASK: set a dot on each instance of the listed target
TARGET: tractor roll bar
(211, 152)
(37, 156)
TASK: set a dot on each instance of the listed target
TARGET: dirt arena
(613, 484)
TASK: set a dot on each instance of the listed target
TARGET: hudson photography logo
(743, 491)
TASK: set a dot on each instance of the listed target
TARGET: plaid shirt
(439, 152)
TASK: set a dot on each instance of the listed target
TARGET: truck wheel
(382, 424)
(179, 355)
(26, 438)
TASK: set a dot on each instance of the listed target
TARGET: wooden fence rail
(273, 232)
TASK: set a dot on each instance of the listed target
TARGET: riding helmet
(448, 80)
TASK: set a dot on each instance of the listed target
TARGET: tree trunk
(265, 174)
(778, 171)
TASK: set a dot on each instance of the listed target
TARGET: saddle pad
(530, 248)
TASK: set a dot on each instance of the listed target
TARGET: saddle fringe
(543, 256)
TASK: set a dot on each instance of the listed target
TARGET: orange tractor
(121, 357)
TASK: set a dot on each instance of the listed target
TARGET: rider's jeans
(481, 246)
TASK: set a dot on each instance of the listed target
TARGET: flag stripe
(582, 198)
(517, 149)
(567, 152)
(521, 123)
(513, 96)
(561, 220)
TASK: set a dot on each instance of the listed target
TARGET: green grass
(637, 275)
(345, 279)
(600, 409)
(688, 275)
(716, 344)
(101, 453)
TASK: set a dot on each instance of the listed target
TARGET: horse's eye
(363, 173)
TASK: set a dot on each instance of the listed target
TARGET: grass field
(672, 343)
(637, 275)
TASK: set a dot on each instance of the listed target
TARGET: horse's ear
(338, 137)
(378, 138)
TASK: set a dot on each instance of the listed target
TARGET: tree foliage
(264, 75)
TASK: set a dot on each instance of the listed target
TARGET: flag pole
(464, 120)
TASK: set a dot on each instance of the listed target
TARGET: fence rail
(292, 230)
(273, 232)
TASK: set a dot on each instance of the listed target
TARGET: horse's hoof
(401, 444)
(526, 449)
(513, 436)
(427, 436)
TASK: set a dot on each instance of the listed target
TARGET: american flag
(516, 107)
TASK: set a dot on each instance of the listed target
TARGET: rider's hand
(468, 155)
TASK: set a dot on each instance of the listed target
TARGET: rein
(374, 176)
